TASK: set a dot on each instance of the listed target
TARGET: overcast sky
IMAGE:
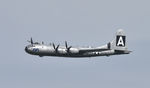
(81, 23)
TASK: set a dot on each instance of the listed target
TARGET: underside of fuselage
(87, 54)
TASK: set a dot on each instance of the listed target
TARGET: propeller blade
(54, 46)
(69, 47)
(31, 41)
(66, 44)
(42, 42)
(57, 47)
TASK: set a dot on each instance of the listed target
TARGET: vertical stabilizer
(119, 43)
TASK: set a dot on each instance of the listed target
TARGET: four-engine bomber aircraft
(116, 47)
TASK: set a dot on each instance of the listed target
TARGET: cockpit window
(30, 46)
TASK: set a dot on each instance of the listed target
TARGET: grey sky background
(81, 23)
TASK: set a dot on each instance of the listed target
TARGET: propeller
(31, 41)
(68, 48)
(56, 48)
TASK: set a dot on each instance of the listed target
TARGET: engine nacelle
(74, 50)
(62, 51)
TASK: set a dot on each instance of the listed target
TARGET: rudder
(120, 41)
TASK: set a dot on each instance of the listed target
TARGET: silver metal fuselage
(48, 50)
(116, 47)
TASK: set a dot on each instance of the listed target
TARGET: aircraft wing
(82, 50)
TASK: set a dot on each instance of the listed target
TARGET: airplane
(116, 47)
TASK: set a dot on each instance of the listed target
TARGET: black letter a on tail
(120, 40)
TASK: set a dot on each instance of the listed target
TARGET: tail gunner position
(116, 47)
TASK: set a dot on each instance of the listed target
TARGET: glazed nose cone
(26, 49)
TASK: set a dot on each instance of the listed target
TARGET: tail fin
(119, 43)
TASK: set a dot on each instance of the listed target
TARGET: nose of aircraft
(26, 49)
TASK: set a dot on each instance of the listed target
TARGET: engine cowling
(74, 50)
